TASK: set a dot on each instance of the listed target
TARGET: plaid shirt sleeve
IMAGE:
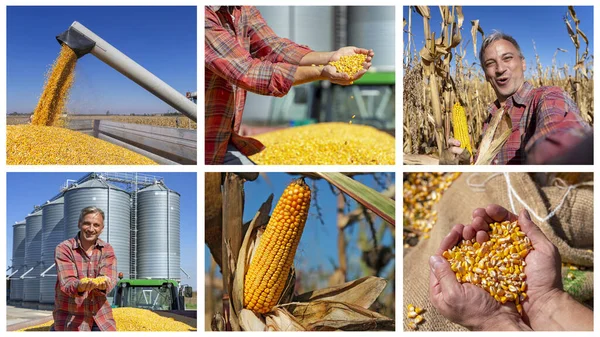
(559, 127)
(266, 45)
(229, 60)
(67, 271)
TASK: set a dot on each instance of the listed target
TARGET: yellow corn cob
(461, 131)
(349, 64)
(499, 269)
(269, 269)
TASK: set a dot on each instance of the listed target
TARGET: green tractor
(152, 294)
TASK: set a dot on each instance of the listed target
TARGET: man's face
(91, 227)
(504, 68)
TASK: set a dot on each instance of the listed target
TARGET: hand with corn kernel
(465, 303)
(346, 59)
(547, 306)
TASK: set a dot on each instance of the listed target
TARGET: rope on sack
(561, 184)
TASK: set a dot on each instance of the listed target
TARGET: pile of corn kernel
(422, 191)
(497, 265)
(349, 64)
(414, 316)
(327, 144)
(134, 319)
(47, 145)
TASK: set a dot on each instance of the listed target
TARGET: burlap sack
(571, 230)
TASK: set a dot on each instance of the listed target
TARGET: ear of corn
(349, 64)
(270, 266)
(497, 265)
(461, 131)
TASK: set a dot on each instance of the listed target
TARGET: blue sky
(318, 246)
(161, 39)
(24, 190)
(526, 24)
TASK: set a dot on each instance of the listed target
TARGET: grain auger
(82, 41)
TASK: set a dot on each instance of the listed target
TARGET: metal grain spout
(83, 41)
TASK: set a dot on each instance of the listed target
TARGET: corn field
(438, 74)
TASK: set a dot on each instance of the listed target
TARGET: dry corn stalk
(497, 266)
(271, 264)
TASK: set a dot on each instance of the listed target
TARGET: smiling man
(547, 124)
(79, 305)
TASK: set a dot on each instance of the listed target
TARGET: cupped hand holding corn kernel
(480, 283)
(548, 306)
(347, 65)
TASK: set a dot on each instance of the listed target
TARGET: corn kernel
(500, 268)
(350, 65)
(326, 144)
(48, 145)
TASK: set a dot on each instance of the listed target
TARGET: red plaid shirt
(74, 311)
(241, 54)
(545, 124)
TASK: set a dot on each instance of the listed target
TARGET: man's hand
(466, 304)
(347, 51)
(104, 284)
(85, 286)
(454, 154)
(543, 262)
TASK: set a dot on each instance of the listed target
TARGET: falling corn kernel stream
(56, 89)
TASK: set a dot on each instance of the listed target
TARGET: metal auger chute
(82, 41)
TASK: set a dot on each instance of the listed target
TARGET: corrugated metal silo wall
(18, 261)
(33, 252)
(53, 233)
(373, 27)
(158, 219)
(116, 207)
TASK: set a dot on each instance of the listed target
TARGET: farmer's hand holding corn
(242, 53)
(483, 301)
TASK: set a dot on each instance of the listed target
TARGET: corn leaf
(494, 138)
(382, 206)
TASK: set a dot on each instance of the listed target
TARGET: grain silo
(18, 262)
(158, 230)
(374, 27)
(33, 255)
(116, 205)
(53, 233)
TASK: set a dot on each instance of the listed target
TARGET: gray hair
(90, 210)
(496, 36)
